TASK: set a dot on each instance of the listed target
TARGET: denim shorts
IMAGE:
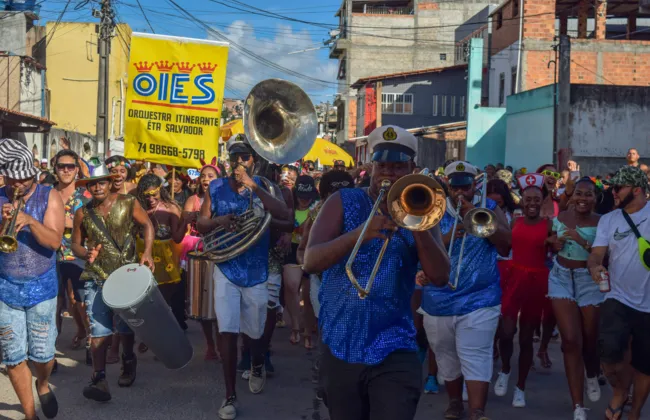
(100, 315)
(28, 332)
(576, 285)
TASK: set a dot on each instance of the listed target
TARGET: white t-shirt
(630, 281)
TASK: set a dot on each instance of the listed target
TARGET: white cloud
(275, 45)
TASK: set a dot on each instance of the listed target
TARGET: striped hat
(16, 160)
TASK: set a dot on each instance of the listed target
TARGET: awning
(232, 128)
(19, 122)
(327, 152)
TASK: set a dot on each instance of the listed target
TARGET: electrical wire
(145, 16)
(53, 30)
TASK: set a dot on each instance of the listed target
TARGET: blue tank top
(251, 267)
(478, 284)
(28, 276)
(367, 331)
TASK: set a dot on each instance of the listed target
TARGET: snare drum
(200, 288)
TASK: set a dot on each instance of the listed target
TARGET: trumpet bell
(480, 222)
(416, 202)
(280, 121)
(8, 244)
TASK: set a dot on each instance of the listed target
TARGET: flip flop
(615, 412)
(142, 348)
(308, 343)
(48, 401)
(545, 361)
(76, 342)
(295, 337)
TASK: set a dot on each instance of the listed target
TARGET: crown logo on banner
(143, 66)
(164, 66)
(207, 67)
(185, 67)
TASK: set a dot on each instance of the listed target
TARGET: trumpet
(480, 222)
(415, 202)
(8, 242)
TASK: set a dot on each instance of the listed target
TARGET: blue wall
(529, 141)
(486, 127)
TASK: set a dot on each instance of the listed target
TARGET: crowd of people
(566, 255)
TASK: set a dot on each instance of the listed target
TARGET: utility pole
(327, 118)
(105, 33)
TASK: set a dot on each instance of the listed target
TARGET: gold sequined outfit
(119, 224)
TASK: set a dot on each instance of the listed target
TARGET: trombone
(480, 222)
(8, 242)
(415, 202)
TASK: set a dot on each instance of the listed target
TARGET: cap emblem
(390, 134)
(460, 167)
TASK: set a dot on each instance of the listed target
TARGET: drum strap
(102, 227)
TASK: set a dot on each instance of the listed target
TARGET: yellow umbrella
(230, 129)
(327, 152)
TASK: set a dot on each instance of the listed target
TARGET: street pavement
(196, 391)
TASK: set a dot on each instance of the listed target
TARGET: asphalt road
(196, 391)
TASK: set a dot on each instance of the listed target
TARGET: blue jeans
(28, 332)
(100, 315)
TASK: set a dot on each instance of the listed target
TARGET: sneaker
(519, 398)
(270, 370)
(465, 396)
(455, 410)
(431, 386)
(580, 413)
(97, 389)
(245, 362)
(228, 410)
(501, 385)
(246, 375)
(478, 415)
(593, 389)
(128, 371)
(257, 379)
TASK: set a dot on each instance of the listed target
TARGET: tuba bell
(281, 125)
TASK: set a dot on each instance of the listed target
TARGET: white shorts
(274, 283)
(463, 345)
(240, 309)
(314, 288)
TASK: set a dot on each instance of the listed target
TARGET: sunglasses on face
(461, 187)
(68, 166)
(243, 157)
(555, 175)
(618, 188)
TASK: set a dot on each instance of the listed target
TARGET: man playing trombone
(369, 365)
(461, 320)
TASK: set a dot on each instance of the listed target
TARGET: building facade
(392, 36)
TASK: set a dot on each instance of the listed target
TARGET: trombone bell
(416, 202)
(480, 222)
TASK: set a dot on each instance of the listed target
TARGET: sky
(267, 37)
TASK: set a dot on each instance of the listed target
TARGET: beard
(626, 201)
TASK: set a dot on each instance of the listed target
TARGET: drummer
(107, 225)
(240, 283)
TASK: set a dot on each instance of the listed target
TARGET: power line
(58, 20)
(145, 16)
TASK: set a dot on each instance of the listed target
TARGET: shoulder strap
(101, 226)
(631, 223)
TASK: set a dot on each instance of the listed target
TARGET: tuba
(415, 202)
(8, 242)
(281, 125)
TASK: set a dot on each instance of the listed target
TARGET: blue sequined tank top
(250, 268)
(367, 331)
(28, 276)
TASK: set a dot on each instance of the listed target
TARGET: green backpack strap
(644, 245)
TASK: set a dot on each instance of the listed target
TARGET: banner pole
(173, 180)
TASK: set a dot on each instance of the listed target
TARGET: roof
(421, 131)
(15, 118)
(369, 79)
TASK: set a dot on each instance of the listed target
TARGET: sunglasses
(618, 188)
(461, 187)
(555, 175)
(68, 166)
(245, 157)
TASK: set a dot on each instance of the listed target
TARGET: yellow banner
(173, 104)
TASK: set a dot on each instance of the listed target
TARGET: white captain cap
(391, 143)
(460, 173)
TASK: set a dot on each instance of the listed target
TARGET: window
(397, 103)
(515, 8)
(443, 57)
(453, 106)
(513, 81)
(444, 105)
(462, 106)
(499, 20)
(435, 105)
(502, 88)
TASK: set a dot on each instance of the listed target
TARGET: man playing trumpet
(369, 366)
(241, 293)
(32, 220)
